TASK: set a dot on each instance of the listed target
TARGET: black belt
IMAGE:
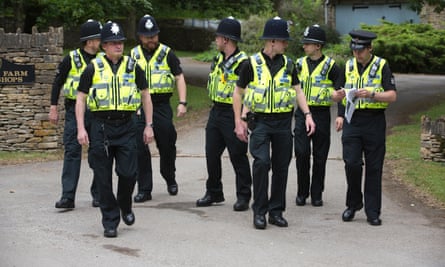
(70, 102)
(272, 116)
(118, 118)
(369, 112)
(160, 98)
(220, 105)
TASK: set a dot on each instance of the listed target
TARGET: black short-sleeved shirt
(274, 65)
(62, 73)
(87, 76)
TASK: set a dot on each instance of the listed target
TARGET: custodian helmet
(90, 30)
(276, 28)
(147, 26)
(314, 35)
(230, 28)
(111, 31)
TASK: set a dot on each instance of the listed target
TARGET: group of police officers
(117, 104)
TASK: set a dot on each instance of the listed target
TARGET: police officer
(163, 71)
(109, 86)
(67, 77)
(272, 87)
(320, 78)
(220, 125)
(373, 82)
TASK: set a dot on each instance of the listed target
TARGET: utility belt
(113, 117)
(70, 102)
(160, 98)
(272, 116)
(369, 112)
(219, 105)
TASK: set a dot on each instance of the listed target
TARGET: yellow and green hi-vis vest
(111, 91)
(316, 86)
(159, 77)
(267, 94)
(78, 64)
(371, 80)
(222, 78)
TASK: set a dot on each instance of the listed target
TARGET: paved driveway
(171, 231)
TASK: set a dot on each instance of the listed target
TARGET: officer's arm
(61, 75)
(148, 110)
(182, 95)
(82, 135)
(302, 104)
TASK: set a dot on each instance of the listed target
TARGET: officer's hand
(241, 130)
(338, 95)
(148, 135)
(53, 115)
(339, 123)
(82, 137)
(181, 110)
(310, 125)
(363, 93)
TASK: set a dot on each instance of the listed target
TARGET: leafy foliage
(209, 8)
(417, 5)
(73, 13)
(410, 48)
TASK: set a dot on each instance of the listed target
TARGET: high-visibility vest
(111, 91)
(371, 80)
(222, 78)
(267, 94)
(78, 65)
(316, 86)
(159, 77)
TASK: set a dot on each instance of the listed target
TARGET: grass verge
(425, 179)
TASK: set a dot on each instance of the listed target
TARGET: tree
(417, 5)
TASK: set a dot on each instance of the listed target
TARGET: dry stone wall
(432, 139)
(24, 124)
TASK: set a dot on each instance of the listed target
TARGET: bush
(410, 48)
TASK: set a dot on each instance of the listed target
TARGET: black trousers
(271, 147)
(320, 141)
(113, 142)
(165, 138)
(219, 135)
(73, 154)
(364, 137)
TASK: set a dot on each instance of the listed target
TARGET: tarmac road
(171, 231)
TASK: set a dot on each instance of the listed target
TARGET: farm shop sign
(11, 73)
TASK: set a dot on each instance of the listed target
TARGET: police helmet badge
(306, 32)
(115, 29)
(149, 24)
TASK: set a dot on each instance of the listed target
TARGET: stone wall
(430, 17)
(24, 124)
(432, 139)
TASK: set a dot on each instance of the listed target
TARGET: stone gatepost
(24, 108)
(432, 139)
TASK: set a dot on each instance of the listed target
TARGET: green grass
(403, 152)
(197, 102)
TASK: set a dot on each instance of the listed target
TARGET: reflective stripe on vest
(72, 80)
(371, 80)
(159, 77)
(316, 85)
(222, 78)
(269, 94)
(111, 91)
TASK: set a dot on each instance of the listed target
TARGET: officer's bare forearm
(148, 106)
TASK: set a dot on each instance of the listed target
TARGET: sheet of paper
(351, 100)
